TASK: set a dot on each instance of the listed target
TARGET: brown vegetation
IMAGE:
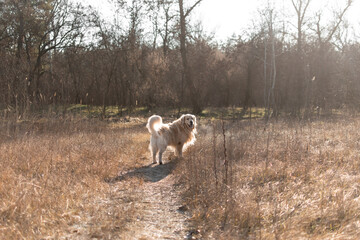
(242, 179)
(281, 180)
(53, 172)
(273, 177)
(57, 52)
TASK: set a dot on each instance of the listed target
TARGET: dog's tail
(153, 120)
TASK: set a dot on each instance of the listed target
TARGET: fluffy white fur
(178, 135)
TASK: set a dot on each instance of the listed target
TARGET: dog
(177, 135)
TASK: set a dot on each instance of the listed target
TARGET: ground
(81, 178)
(155, 202)
(88, 180)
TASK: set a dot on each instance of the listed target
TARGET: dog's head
(189, 121)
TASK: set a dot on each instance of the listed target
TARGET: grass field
(281, 180)
(52, 175)
(243, 179)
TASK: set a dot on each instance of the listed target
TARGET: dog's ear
(194, 119)
(182, 119)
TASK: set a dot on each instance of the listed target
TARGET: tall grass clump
(52, 177)
(276, 180)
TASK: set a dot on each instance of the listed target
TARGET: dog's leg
(154, 151)
(160, 156)
(154, 156)
(179, 150)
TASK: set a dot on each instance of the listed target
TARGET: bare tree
(251, 59)
(270, 75)
(325, 35)
(48, 52)
(186, 68)
(38, 29)
(166, 30)
(301, 7)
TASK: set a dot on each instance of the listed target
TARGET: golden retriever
(178, 135)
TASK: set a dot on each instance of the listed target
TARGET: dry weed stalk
(295, 180)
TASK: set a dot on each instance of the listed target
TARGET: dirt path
(144, 203)
(157, 205)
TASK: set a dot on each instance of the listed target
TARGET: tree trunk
(248, 88)
(196, 108)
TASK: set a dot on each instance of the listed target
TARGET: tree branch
(341, 16)
(192, 8)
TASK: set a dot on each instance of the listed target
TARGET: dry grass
(284, 180)
(53, 172)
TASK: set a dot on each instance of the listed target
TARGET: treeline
(152, 54)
